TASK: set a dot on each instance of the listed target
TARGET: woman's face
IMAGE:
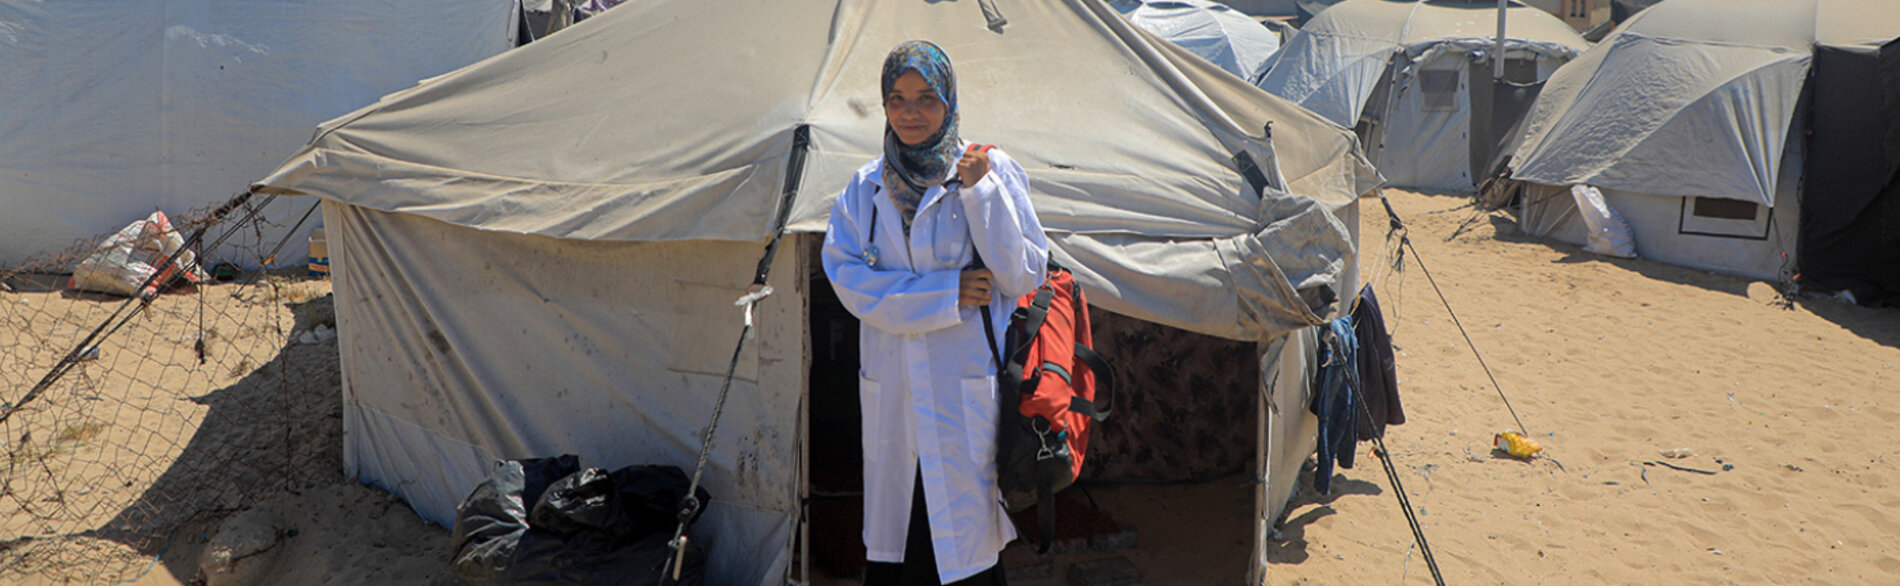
(914, 111)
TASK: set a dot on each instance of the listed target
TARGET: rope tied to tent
(690, 505)
(1398, 228)
(758, 291)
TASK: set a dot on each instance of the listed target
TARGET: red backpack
(1048, 407)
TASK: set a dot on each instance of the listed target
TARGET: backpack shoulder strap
(1003, 381)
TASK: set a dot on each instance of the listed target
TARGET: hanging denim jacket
(1337, 402)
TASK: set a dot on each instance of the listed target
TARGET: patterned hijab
(910, 170)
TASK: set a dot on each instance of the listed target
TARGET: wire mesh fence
(123, 418)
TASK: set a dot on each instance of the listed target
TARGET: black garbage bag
(650, 499)
(593, 557)
(586, 526)
(491, 523)
(577, 502)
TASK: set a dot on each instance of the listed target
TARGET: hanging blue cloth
(1337, 403)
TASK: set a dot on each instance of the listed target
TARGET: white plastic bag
(1609, 234)
(125, 261)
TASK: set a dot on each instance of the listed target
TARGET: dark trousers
(919, 567)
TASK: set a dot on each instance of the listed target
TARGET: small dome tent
(1210, 30)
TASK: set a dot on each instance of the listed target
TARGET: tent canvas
(1696, 132)
(113, 109)
(1402, 71)
(1211, 30)
(516, 282)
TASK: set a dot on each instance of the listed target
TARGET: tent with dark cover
(1850, 226)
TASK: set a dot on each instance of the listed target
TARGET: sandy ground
(1606, 362)
(127, 470)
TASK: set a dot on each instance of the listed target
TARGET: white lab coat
(928, 385)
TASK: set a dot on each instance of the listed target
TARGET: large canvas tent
(111, 109)
(538, 254)
(1405, 74)
(1697, 131)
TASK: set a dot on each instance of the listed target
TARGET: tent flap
(1288, 275)
(1850, 229)
(482, 345)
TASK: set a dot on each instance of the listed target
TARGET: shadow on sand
(1308, 506)
(277, 430)
(1880, 325)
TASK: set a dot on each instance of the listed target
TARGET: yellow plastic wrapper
(1516, 444)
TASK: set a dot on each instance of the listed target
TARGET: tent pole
(1257, 560)
(1497, 57)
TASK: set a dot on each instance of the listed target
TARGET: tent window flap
(1730, 218)
(1441, 89)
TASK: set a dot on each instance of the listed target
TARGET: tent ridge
(838, 43)
(1674, 40)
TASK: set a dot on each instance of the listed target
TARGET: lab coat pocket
(979, 421)
(869, 397)
(951, 246)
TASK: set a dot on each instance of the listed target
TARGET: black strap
(1104, 376)
(1030, 318)
(1104, 385)
(1047, 470)
(794, 171)
(1038, 313)
(1003, 384)
(1256, 179)
(870, 238)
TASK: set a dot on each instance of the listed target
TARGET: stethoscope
(950, 185)
(870, 242)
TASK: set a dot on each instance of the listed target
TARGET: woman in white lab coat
(899, 250)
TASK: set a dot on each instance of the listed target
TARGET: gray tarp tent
(538, 254)
(1693, 128)
(1402, 72)
(1211, 30)
(111, 109)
